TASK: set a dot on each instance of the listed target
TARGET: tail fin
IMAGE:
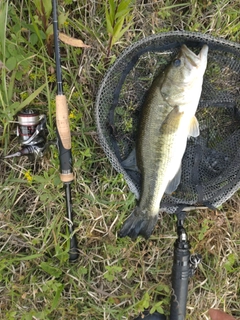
(137, 224)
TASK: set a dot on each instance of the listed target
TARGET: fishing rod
(64, 139)
(184, 267)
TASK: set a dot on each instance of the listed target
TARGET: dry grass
(113, 278)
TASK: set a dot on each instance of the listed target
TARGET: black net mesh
(211, 163)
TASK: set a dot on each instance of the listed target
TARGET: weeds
(114, 278)
(117, 12)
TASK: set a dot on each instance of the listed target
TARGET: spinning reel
(31, 132)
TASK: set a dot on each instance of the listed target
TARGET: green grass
(113, 278)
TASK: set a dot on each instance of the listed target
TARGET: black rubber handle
(65, 158)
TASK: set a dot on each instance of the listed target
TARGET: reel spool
(211, 163)
(27, 125)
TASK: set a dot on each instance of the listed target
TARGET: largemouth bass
(167, 120)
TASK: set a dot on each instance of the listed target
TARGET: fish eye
(177, 62)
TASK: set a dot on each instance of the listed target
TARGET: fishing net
(211, 163)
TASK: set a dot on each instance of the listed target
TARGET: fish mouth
(190, 56)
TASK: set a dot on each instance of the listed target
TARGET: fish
(166, 122)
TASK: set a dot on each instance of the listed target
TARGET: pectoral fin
(173, 184)
(194, 128)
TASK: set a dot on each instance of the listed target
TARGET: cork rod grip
(67, 177)
(62, 121)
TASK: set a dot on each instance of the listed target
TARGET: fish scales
(148, 154)
(167, 120)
